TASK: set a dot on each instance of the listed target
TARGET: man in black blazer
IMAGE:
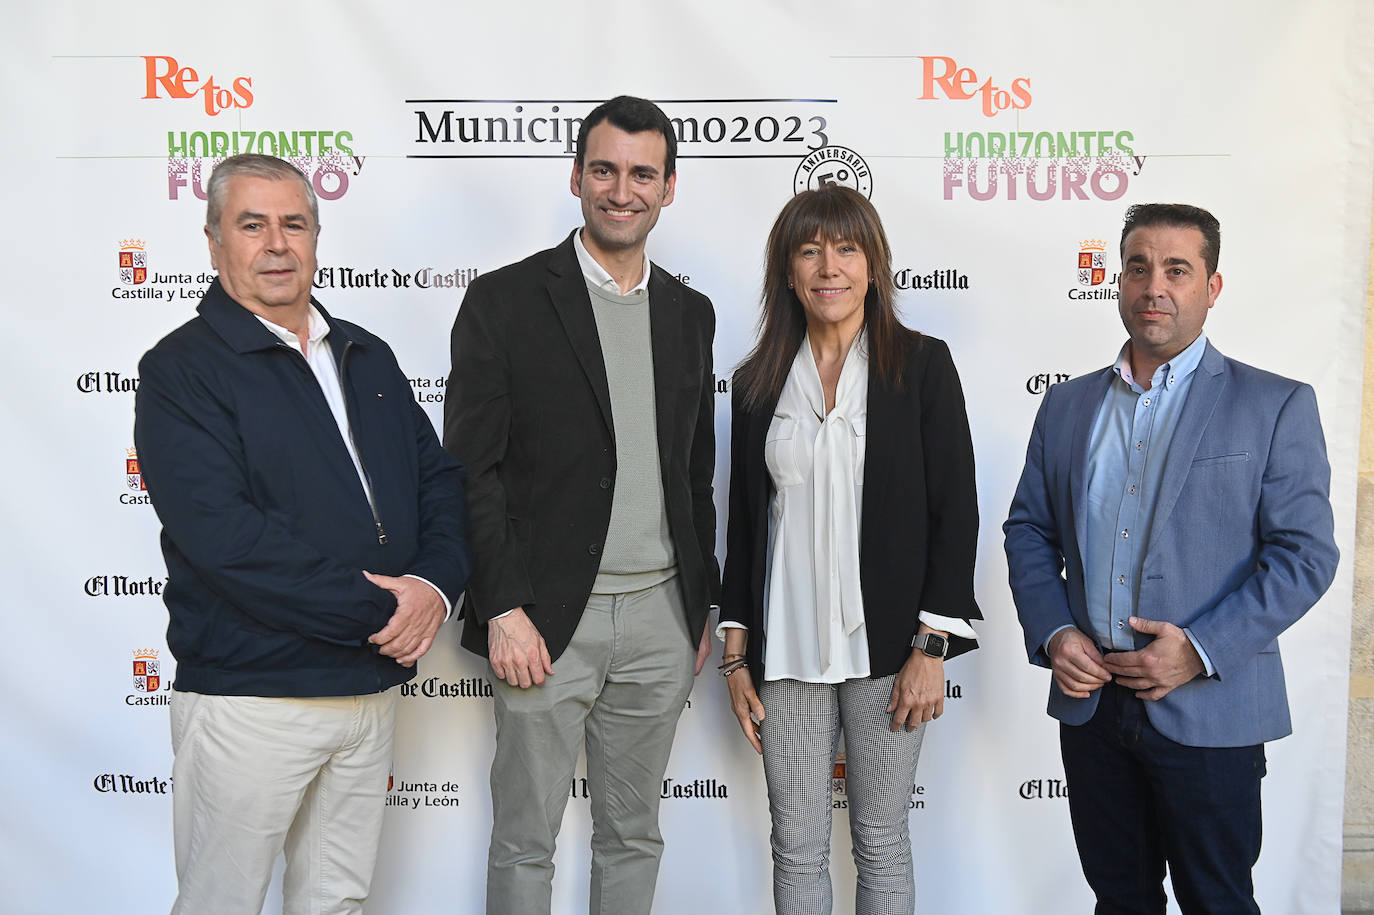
(581, 402)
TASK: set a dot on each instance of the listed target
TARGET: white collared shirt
(597, 274)
(320, 358)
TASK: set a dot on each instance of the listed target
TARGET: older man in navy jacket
(315, 538)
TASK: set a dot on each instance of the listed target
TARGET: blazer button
(594, 549)
(605, 482)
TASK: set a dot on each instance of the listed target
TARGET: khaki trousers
(254, 777)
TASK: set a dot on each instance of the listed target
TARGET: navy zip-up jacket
(266, 527)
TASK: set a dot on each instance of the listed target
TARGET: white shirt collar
(318, 329)
(597, 275)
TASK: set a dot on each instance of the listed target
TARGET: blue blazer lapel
(1083, 413)
(1209, 380)
(568, 291)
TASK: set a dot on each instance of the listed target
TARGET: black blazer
(919, 532)
(528, 411)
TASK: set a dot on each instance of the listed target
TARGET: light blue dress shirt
(1126, 454)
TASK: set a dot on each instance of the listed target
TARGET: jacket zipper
(348, 407)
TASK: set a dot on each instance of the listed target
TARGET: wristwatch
(932, 645)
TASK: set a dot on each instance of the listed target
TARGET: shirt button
(1139, 445)
(1121, 579)
(605, 483)
(594, 549)
(1171, 379)
(1132, 489)
(1147, 401)
(1125, 535)
(1120, 624)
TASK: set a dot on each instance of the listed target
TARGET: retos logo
(1023, 164)
(325, 157)
(164, 77)
(942, 77)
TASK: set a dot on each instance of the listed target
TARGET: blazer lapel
(1209, 380)
(883, 424)
(665, 333)
(568, 291)
(1084, 412)
(761, 483)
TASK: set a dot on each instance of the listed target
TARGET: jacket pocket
(779, 452)
(1232, 458)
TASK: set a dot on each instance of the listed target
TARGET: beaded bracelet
(730, 667)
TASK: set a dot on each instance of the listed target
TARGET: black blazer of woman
(919, 529)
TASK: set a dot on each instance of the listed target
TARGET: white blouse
(813, 608)
(813, 604)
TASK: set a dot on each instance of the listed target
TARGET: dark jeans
(1138, 799)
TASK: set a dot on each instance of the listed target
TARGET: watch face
(935, 645)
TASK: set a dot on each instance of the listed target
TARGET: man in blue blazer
(1171, 520)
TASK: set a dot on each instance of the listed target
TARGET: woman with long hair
(850, 548)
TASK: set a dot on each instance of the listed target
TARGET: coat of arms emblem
(1092, 262)
(131, 469)
(146, 676)
(133, 262)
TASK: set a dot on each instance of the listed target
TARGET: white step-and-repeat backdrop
(1001, 141)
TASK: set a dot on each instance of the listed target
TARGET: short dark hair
(254, 165)
(632, 115)
(1179, 216)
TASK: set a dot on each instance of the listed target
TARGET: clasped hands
(1152, 672)
(419, 613)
